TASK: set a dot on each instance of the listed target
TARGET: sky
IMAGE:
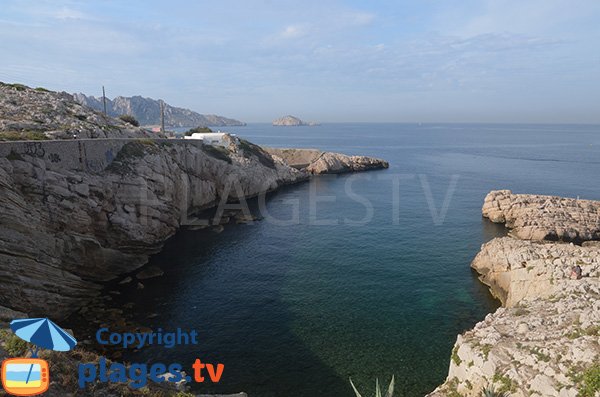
(534, 61)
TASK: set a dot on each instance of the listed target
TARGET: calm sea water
(296, 310)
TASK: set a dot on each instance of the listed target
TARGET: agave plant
(491, 392)
(389, 393)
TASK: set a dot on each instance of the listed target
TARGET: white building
(211, 138)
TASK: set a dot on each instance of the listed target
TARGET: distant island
(291, 121)
(147, 112)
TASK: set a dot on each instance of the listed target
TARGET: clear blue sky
(419, 60)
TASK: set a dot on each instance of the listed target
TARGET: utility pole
(162, 116)
(104, 100)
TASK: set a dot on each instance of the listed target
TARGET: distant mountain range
(147, 112)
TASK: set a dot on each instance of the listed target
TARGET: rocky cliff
(147, 112)
(64, 231)
(27, 113)
(544, 341)
(315, 161)
(536, 217)
(79, 213)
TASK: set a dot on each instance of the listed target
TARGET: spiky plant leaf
(354, 388)
(377, 389)
(390, 390)
(491, 392)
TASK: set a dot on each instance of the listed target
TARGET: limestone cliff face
(147, 112)
(536, 217)
(41, 114)
(516, 270)
(317, 162)
(548, 330)
(64, 231)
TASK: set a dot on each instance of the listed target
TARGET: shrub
(14, 345)
(251, 149)
(18, 87)
(455, 356)
(218, 152)
(128, 155)
(23, 136)
(42, 89)
(198, 130)
(129, 119)
(589, 381)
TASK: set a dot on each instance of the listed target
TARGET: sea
(363, 276)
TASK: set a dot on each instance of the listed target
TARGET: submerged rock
(150, 272)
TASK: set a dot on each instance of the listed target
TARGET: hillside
(39, 114)
(147, 112)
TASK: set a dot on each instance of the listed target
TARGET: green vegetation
(23, 136)
(249, 149)
(491, 392)
(14, 345)
(506, 384)
(538, 353)
(389, 393)
(42, 89)
(198, 130)
(129, 119)
(218, 152)
(588, 380)
(455, 358)
(485, 349)
(16, 86)
(453, 388)
(129, 153)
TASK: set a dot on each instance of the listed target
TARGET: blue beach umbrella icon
(43, 333)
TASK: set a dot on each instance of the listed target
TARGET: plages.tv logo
(31, 376)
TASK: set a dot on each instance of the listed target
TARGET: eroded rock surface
(63, 232)
(318, 162)
(545, 341)
(537, 217)
(39, 114)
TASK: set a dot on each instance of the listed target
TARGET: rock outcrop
(64, 232)
(290, 121)
(544, 341)
(27, 113)
(79, 213)
(147, 112)
(536, 217)
(315, 161)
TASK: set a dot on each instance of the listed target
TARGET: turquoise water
(296, 310)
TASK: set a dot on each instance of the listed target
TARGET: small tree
(198, 130)
(129, 119)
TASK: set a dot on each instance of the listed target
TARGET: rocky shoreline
(81, 213)
(544, 341)
(317, 162)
